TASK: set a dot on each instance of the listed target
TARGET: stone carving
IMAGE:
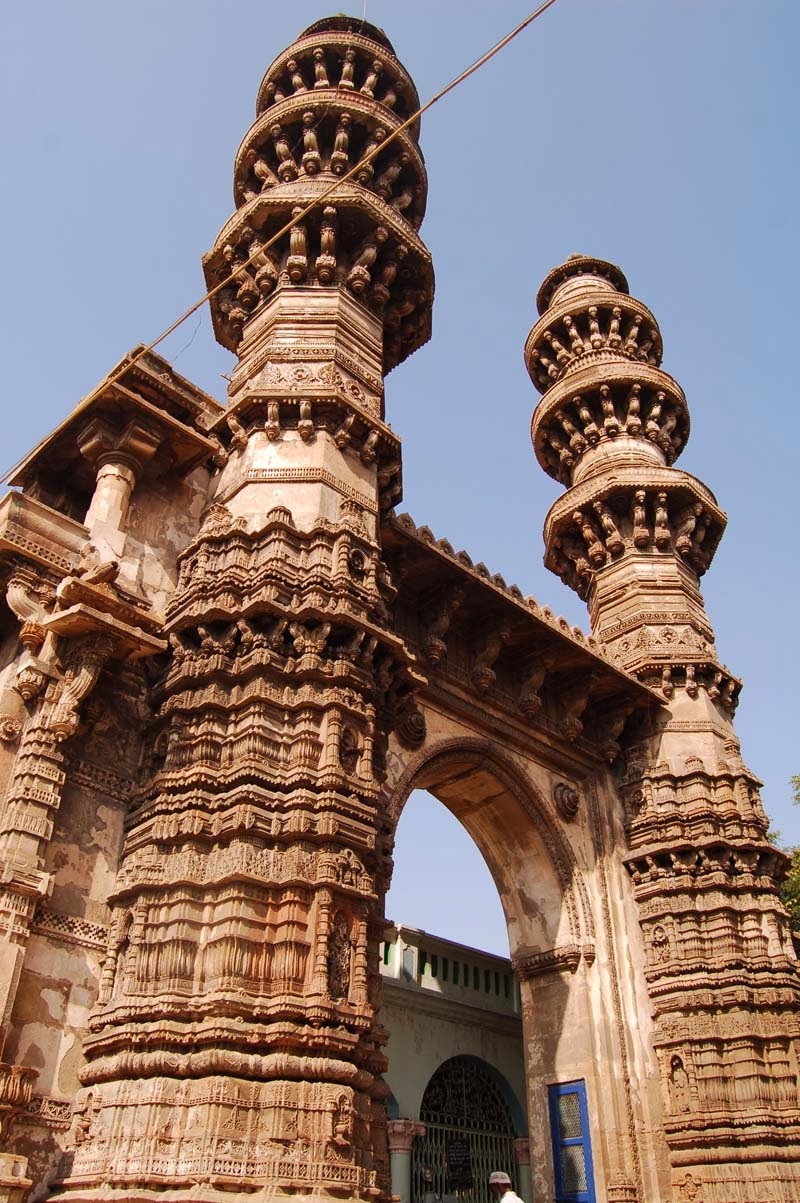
(530, 698)
(287, 168)
(311, 156)
(690, 1190)
(411, 726)
(574, 701)
(308, 659)
(434, 643)
(16, 1089)
(297, 262)
(86, 659)
(10, 728)
(93, 569)
(660, 943)
(339, 158)
(567, 800)
(320, 70)
(556, 960)
(359, 277)
(662, 534)
(54, 1113)
(69, 928)
(491, 644)
(326, 260)
(339, 957)
(678, 1086)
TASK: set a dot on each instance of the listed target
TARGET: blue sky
(660, 135)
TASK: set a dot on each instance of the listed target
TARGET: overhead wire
(126, 364)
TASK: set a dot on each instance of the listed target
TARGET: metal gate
(469, 1133)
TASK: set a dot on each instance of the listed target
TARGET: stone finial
(336, 100)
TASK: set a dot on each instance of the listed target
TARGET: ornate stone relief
(567, 800)
(298, 683)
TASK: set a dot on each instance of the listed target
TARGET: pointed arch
(516, 830)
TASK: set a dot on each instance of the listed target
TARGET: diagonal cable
(128, 363)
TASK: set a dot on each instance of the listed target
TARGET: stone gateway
(227, 661)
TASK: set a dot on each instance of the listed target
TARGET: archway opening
(516, 843)
(441, 883)
(515, 850)
(471, 1119)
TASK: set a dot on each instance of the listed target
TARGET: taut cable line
(128, 363)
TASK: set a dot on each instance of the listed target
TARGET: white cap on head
(499, 1178)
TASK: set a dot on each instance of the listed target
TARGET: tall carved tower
(235, 1034)
(632, 535)
(212, 712)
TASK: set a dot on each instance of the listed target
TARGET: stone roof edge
(462, 561)
(179, 386)
(400, 929)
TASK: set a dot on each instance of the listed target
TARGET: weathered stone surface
(226, 662)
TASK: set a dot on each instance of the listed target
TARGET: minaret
(632, 535)
(317, 319)
(235, 1044)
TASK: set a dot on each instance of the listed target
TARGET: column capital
(132, 447)
(402, 1133)
(522, 1151)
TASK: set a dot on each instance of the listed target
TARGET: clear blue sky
(659, 135)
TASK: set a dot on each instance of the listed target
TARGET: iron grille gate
(462, 1106)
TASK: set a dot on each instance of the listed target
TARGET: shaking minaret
(237, 1015)
(632, 535)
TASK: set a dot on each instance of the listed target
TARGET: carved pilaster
(118, 455)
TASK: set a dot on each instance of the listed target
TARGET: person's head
(499, 1183)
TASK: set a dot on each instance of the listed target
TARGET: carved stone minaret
(632, 535)
(213, 709)
(235, 1035)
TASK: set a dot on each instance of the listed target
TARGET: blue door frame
(572, 1149)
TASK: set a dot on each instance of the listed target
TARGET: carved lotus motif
(567, 800)
(10, 728)
(411, 727)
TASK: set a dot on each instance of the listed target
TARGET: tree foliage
(790, 890)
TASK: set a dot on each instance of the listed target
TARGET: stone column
(116, 476)
(402, 1133)
(118, 457)
(522, 1159)
(633, 535)
(294, 639)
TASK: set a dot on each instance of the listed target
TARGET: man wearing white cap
(500, 1187)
